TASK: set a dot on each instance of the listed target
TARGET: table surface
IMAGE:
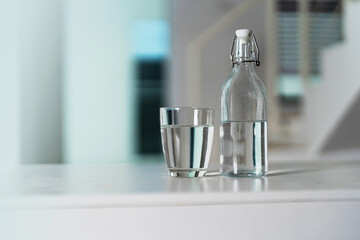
(148, 184)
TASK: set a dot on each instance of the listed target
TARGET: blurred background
(82, 81)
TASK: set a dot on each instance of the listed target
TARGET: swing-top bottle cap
(243, 33)
(243, 37)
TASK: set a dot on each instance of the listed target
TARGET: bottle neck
(244, 65)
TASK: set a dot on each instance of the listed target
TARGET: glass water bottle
(243, 132)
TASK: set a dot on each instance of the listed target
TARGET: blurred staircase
(333, 110)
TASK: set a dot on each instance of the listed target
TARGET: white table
(140, 201)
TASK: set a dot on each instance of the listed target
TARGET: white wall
(30, 81)
(40, 54)
(97, 83)
(9, 85)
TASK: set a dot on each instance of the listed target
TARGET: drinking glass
(187, 135)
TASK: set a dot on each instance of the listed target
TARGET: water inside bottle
(244, 148)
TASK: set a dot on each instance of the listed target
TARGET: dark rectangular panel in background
(150, 77)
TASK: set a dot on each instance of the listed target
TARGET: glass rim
(186, 108)
(186, 116)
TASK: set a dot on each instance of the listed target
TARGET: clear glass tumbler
(187, 135)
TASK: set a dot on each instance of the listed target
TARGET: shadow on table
(313, 167)
(289, 171)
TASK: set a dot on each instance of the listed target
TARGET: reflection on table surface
(152, 178)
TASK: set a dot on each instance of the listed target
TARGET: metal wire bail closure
(257, 56)
(232, 50)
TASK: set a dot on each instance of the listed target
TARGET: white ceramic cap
(243, 33)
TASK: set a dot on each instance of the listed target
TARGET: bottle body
(243, 131)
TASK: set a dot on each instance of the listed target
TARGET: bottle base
(244, 174)
(187, 173)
